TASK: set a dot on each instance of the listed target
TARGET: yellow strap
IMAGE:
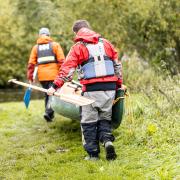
(117, 99)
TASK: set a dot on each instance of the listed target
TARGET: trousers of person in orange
(48, 57)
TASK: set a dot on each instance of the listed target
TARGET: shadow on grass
(70, 129)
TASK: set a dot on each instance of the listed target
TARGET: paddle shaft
(71, 98)
(31, 86)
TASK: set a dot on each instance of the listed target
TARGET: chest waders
(73, 112)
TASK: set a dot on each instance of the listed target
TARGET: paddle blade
(27, 97)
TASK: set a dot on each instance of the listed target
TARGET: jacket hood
(43, 39)
(87, 35)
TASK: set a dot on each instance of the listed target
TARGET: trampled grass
(146, 144)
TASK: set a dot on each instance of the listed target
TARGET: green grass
(146, 144)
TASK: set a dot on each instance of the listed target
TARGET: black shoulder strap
(81, 42)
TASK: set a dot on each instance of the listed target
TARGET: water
(7, 95)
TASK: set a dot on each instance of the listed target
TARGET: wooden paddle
(67, 93)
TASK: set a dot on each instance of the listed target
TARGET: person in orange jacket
(48, 57)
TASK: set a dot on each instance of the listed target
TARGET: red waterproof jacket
(79, 53)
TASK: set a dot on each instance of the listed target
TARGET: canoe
(73, 111)
(118, 108)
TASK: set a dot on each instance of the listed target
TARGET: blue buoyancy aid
(98, 63)
(45, 54)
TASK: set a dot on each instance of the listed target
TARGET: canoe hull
(73, 112)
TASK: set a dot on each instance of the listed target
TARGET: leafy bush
(148, 27)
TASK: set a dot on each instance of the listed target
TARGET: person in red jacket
(48, 57)
(99, 71)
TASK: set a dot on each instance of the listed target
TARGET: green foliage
(161, 91)
(10, 49)
(20, 23)
(151, 28)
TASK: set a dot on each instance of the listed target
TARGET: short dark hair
(80, 24)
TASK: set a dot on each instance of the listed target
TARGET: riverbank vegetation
(146, 142)
(148, 27)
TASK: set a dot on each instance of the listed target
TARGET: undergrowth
(146, 142)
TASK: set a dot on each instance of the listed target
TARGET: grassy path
(146, 143)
